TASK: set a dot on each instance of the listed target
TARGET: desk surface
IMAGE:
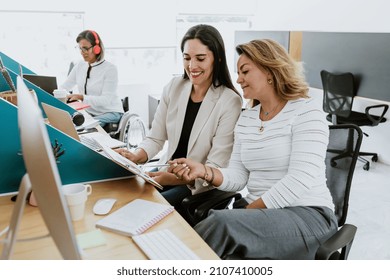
(117, 246)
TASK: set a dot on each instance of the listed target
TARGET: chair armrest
(221, 201)
(375, 119)
(197, 206)
(340, 240)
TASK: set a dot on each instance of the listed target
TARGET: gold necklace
(266, 116)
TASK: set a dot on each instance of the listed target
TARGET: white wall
(320, 15)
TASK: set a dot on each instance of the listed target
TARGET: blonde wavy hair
(287, 74)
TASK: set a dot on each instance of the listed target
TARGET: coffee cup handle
(88, 188)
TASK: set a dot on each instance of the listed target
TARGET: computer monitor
(44, 178)
(47, 83)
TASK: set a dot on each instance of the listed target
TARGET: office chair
(339, 91)
(130, 128)
(113, 128)
(197, 207)
(339, 180)
(71, 65)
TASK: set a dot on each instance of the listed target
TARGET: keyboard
(90, 139)
(90, 143)
(163, 245)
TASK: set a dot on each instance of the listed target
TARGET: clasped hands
(186, 169)
(176, 174)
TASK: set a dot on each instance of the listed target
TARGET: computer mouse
(103, 206)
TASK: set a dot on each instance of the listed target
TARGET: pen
(155, 165)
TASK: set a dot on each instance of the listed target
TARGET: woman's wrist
(205, 183)
(140, 156)
(208, 180)
(212, 176)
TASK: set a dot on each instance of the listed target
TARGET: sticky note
(91, 239)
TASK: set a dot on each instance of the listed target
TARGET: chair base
(346, 153)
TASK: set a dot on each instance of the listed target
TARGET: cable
(5, 230)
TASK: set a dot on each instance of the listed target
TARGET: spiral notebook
(135, 217)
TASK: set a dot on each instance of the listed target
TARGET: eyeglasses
(84, 49)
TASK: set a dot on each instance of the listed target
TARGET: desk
(117, 246)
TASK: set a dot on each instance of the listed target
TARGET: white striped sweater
(284, 164)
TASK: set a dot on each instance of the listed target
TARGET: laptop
(47, 83)
(62, 120)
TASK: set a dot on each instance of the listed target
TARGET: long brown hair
(210, 37)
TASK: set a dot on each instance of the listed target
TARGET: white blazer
(211, 138)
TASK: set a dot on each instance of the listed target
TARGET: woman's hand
(167, 179)
(125, 153)
(75, 97)
(186, 169)
(139, 155)
(259, 203)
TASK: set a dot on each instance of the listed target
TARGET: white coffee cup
(60, 94)
(76, 196)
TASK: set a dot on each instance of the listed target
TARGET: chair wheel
(366, 166)
(333, 163)
(375, 158)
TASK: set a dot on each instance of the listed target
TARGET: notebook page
(135, 217)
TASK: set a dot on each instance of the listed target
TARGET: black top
(189, 119)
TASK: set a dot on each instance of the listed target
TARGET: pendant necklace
(266, 116)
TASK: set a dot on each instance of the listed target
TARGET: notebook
(47, 83)
(135, 217)
(62, 120)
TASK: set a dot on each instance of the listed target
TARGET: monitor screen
(47, 83)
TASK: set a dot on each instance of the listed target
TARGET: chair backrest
(339, 172)
(125, 103)
(339, 91)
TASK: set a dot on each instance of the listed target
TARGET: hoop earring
(269, 81)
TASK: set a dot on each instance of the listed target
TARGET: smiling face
(86, 51)
(198, 62)
(252, 80)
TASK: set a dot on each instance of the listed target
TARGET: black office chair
(197, 207)
(339, 92)
(113, 129)
(339, 179)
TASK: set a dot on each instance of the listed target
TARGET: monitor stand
(24, 190)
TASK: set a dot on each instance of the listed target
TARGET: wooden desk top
(117, 246)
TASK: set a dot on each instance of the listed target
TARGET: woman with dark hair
(196, 114)
(279, 157)
(96, 80)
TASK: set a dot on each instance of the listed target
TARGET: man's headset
(96, 48)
